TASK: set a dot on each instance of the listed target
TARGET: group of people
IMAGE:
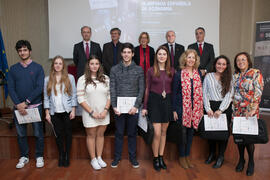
(170, 84)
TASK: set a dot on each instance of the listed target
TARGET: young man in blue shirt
(25, 85)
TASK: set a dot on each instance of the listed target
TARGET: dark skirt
(215, 105)
(159, 108)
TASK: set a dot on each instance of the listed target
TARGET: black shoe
(240, 166)
(250, 169)
(66, 160)
(156, 164)
(61, 160)
(135, 163)
(161, 162)
(115, 163)
(210, 159)
(219, 162)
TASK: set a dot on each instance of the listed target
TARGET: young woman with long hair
(157, 102)
(217, 97)
(59, 103)
(93, 93)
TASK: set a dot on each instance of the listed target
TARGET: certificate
(243, 125)
(142, 122)
(124, 104)
(31, 116)
(215, 124)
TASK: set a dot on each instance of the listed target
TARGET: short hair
(115, 29)
(147, 35)
(200, 28)
(236, 69)
(169, 31)
(23, 43)
(86, 27)
(183, 59)
(127, 45)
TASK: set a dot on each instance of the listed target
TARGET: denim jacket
(68, 101)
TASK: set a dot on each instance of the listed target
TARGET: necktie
(200, 48)
(87, 51)
(172, 55)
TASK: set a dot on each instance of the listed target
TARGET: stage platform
(9, 146)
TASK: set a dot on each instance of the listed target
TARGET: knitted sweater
(126, 81)
(26, 83)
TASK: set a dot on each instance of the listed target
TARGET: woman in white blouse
(59, 104)
(217, 97)
(94, 97)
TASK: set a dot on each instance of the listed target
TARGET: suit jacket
(208, 56)
(107, 56)
(179, 49)
(136, 57)
(79, 56)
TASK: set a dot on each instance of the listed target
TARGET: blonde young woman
(59, 103)
(93, 92)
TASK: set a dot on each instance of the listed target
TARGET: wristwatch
(91, 113)
(26, 102)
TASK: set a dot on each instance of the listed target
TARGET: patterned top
(212, 91)
(248, 90)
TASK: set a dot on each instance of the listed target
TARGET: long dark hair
(226, 76)
(87, 73)
(167, 63)
(237, 70)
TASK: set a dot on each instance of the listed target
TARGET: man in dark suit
(84, 49)
(112, 51)
(175, 49)
(204, 50)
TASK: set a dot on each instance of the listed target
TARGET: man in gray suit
(204, 50)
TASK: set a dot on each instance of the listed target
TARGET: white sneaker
(40, 162)
(95, 164)
(101, 162)
(22, 161)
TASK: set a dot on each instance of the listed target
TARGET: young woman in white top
(59, 103)
(93, 93)
(217, 97)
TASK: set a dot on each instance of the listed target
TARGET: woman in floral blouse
(248, 86)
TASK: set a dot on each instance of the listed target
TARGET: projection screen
(156, 17)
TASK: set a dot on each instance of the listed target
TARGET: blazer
(208, 56)
(136, 57)
(68, 101)
(179, 49)
(107, 56)
(79, 56)
(177, 98)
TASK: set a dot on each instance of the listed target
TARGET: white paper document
(215, 124)
(243, 125)
(142, 122)
(32, 116)
(124, 104)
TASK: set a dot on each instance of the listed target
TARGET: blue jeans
(184, 149)
(131, 121)
(22, 136)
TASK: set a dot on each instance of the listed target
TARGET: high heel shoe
(210, 158)
(250, 169)
(240, 166)
(219, 162)
(162, 163)
(156, 164)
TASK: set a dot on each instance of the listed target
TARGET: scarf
(191, 115)
(147, 59)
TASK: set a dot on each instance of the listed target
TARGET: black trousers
(63, 131)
